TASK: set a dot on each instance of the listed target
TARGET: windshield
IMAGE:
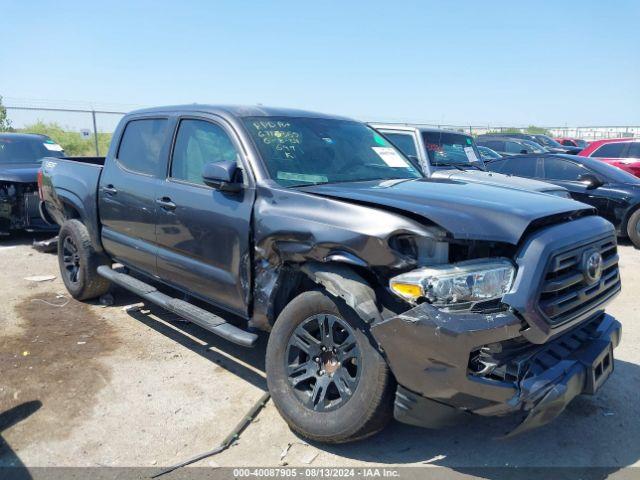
(534, 146)
(448, 148)
(548, 141)
(307, 151)
(27, 150)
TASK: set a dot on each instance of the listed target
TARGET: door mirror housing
(222, 176)
(591, 181)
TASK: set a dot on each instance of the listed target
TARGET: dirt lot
(88, 385)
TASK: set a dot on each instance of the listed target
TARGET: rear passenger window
(611, 150)
(555, 169)
(404, 141)
(496, 145)
(520, 167)
(198, 143)
(141, 146)
(634, 150)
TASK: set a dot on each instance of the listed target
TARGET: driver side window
(199, 142)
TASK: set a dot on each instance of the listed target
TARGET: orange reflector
(407, 290)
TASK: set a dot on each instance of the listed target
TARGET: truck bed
(71, 184)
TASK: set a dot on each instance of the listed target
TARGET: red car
(623, 153)
(572, 142)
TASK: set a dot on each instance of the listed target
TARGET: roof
(414, 126)
(575, 158)
(239, 111)
(596, 143)
(24, 136)
(480, 138)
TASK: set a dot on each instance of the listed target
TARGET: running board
(186, 310)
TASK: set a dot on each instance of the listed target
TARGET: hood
(498, 179)
(470, 211)
(19, 172)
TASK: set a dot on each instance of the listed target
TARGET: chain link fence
(80, 131)
(87, 131)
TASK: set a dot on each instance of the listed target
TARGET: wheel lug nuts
(317, 359)
(321, 372)
(323, 348)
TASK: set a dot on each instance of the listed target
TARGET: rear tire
(342, 394)
(633, 228)
(79, 261)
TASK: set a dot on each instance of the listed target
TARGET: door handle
(166, 203)
(110, 190)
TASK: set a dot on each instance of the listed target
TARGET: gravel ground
(92, 385)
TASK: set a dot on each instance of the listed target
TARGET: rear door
(127, 192)
(203, 234)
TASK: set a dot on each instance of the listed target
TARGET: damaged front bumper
(20, 209)
(449, 365)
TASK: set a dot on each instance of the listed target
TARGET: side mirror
(591, 181)
(524, 151)
(222, 176)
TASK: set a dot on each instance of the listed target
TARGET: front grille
(566, 293)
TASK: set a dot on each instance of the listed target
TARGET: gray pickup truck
(454, 155)
(386, 293)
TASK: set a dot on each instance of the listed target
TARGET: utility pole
(95, 132)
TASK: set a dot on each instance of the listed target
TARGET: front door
(567, 174)
(203, 234)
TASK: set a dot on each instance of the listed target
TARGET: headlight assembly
(458, 283)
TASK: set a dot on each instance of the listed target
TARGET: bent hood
(498, 179)
(466, 210)
(19, 172)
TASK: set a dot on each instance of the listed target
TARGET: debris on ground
(40, 278)
(46, 246)
(106, 300)
(134, 307)
(51, 304)
(229, 440)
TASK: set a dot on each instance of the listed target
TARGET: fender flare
(343, 282)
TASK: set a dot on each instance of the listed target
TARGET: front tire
(633, 228)
(79, 262)
(326, 378)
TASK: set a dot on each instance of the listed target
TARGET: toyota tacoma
(386, 294)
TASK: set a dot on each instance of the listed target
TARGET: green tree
(72, 142)
(5, 123)
(536, 130)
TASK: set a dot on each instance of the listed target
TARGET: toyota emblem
(592, 266)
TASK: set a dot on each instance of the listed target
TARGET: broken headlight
(458, 283)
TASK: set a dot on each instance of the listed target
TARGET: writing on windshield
(306, 150)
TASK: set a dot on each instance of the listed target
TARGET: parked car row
(613, 192)
(397, 277)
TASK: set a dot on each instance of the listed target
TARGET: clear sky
(453, 62)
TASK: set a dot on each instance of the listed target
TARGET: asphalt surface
(93, 385)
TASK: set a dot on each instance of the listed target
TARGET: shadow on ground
(8, 419)
(593, 438)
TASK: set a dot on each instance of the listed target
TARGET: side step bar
(186, 310)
